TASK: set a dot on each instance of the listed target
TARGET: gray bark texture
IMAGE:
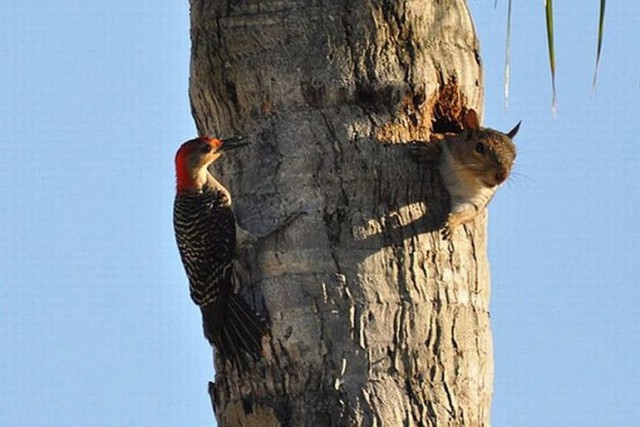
(376, 319)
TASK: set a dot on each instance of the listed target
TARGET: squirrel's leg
(461, 213)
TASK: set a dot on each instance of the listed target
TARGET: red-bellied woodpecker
(205, 228)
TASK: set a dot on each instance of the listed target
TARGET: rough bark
(376, 320)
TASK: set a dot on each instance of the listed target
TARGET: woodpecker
(205, 228)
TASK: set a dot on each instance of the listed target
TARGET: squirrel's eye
(480, 148)
(206, 148)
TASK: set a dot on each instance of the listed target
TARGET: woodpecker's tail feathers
(235, 329)
(244, 328)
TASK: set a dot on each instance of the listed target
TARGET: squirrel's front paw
(446, 232)
(452, 222)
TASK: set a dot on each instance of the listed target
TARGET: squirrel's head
(487, 154)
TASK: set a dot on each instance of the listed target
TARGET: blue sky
(95, 321)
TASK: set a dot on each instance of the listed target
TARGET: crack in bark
(335, 219)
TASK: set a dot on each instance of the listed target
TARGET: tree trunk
(375, 318)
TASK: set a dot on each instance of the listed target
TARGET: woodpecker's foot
(244, 239)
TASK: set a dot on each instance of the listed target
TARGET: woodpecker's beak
(231, 143)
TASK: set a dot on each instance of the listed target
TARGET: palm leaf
(552, 55)
(507, 61)
(599, 49)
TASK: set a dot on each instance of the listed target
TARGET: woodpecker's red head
(194, 156)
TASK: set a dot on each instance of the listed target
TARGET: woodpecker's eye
(480, 148)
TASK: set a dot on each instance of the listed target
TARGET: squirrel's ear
(514, 131)
(471, 120)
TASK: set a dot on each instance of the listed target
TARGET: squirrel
(473, 164)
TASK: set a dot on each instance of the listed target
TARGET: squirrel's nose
(501, 176)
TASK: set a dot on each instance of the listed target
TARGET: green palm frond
(599, 49)
(507, 62)
(552, 55)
